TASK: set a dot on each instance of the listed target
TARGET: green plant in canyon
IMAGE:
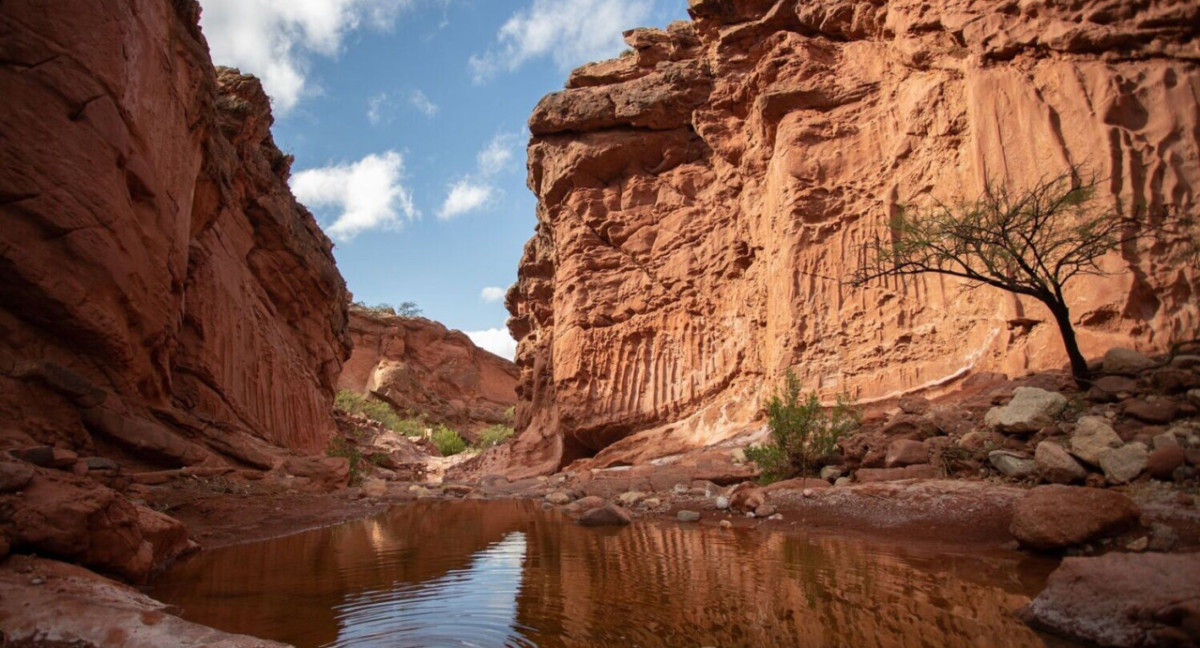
(447, 441)
(340, 447)
(353, 402)
(495, 435)
(803, 433)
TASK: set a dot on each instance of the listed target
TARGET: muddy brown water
(507, 573)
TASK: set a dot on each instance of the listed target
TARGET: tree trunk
(1079, 366)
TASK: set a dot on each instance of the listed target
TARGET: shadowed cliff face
(422, 368)
(702, 202)
(156, 275)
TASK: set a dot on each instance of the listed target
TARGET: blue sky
(407, 120)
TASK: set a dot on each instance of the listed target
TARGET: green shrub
(802, 432)
(412, 427)
(447, 441)
(403, 309)
(510, 413)
(495, 435)
(378, 411)
(339, 447)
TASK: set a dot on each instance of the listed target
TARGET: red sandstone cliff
(156, 275)
(702, 202)
(164, 300)
(422, 368)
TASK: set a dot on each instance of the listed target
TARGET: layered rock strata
(703, 200)
(157, 278)
(421, 368)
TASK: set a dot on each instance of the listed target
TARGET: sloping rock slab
(1129, 600)
(76, 607)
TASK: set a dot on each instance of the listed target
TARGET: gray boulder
(1126, 362)
(1093, 434)
(1011, 464)
(1056, 465)
(1122, 465)
(1030, 410)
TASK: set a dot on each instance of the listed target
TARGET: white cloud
(498, 154)
(464, 196)
(572, 32)
(377, 108)
(368, 194)
(422, 103)
(492, 294)
(496, 340)
(274, 39)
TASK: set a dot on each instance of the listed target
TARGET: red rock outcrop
(422, 368)
(161, 291)
(703, 201)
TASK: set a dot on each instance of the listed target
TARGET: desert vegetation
(803, 432)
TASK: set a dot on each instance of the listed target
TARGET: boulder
(1156, 412)
(1122, 465)
(1030, 410)
(630, 498)
(374, 488)
(63, 515)
(1055, 465)
(1121, 599)
(607, 515)
(559, 498)
(1161, 463)
(1055, 517)
(1093, 434)
(906, 452)
(1126, 362)
(832, 473)
(14, 475)
(1011, 464)
(325, 473)
(688, 516)
(917, 405)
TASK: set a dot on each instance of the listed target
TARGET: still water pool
(507, 573)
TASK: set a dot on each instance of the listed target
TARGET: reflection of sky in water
(476, 606)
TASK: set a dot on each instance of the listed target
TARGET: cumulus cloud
(377, 109)
(496, 340)
(464, 196)
(274, 39)
(559, 29)
(365, 195)
(422, 103)
(498, 154)
(492, 294)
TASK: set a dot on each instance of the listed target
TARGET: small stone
(916, 405)
(40, 456)
(101, 463)
(1093, 434)
(607, 515)
(559, 498)
(831, 473)
(14, 475)
(843, 482)
(906, 452)
(766, 510)
(374, 488)
(1011, 464)
(688, 516)
(726, 524)
(1138, 545)
(808, 493)
(1163, 440)
(1161, 463)
(37, 581)
(651, 503)
(680, 489)
(1155, 412)
(722, 503)
(777, 516)
(631, 498)
(973, 440)
(1056, 465)
(1126, 362)
(1030, 410)
(1122, 465)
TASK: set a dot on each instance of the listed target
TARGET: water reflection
(508, 573)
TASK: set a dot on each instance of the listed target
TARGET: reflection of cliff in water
(490, 573)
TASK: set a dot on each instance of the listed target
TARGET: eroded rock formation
(157, 278)
(424, 369)
(164, 301)
(703, 201)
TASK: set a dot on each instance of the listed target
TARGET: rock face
(1123, 600)
(157, 278)
(420, 367)
(702, 201)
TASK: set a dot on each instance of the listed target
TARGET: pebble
(37, 581)
(725, 524)
(722, 503)
(808, 492)
(688, 516)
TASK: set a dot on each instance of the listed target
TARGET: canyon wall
(703, 200)
(161, 290)
(421, 368)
